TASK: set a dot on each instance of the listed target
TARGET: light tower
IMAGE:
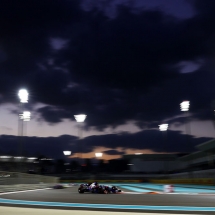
(80, 118)
(185, 105)
(23, 117)
(98, 155)
(164, 127)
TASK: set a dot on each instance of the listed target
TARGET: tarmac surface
(127, 201)
(27, 211)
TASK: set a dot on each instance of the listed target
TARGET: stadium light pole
(67, 153)
(98, 155)
(80, 118)
(185, 105)
(23, 116)
(164, 128)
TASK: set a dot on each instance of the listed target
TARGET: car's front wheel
(80, 190)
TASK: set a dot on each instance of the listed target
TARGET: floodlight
(185, 106)
(25, 116)
(5, 157)
(23, 96)
(80, 117)
(98, 154)
(163, 127)
(18, 157)
(67, 152)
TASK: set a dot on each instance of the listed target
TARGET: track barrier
(196, 181)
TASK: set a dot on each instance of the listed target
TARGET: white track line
(22, 191)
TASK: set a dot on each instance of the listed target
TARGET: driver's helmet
(96, 183)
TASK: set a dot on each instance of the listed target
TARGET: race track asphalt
(71, 195)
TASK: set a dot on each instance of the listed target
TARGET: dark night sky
(126, 64)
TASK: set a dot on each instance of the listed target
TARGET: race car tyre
(93, 190)
(80, 190)
(105, 192)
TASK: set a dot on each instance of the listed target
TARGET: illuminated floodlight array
(25, 116)
(185, 106)
(67, 153)
(98, 154)
(80, 117)
(23, 96)
(5, 156)
(18, 157)
(163, 127)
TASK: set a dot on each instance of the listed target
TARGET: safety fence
(14, 181)
(210, 173)
(203, 177)
(200, 181)
(196, 181)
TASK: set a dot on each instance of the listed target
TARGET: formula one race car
(84, 188)
(103, 189)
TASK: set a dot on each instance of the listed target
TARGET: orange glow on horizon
(91, 155)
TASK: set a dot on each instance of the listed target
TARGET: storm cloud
(137, 64)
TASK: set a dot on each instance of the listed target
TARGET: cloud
(113, 152)
(120, 69)
(115, 144)
(35, 146)
(52, 114)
